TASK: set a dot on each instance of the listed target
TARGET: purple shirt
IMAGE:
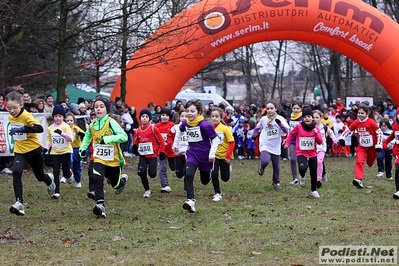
(199, 141)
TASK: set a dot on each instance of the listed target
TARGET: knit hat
(145, 112)
(307, 111)
(59, 110)
(82, 105)
(105, 101)
(165, 111)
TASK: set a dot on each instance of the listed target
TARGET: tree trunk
(62, 51)
(124, 50)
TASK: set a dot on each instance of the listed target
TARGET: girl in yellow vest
(27, 149)
(59, 138)
(107, 135)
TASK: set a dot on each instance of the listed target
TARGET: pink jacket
(306, 141)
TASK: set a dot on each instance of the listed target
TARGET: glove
(162, 156)
(277, 121)
(135, 149)
(341, 142)
(13, 131)
(385, 146)
(82, 153)
(58, 131)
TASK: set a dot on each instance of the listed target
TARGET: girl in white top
(272, 127)
(179, 166)
(322, 148)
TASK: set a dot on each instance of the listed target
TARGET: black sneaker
(261, 170)
(91, 194)
(357, 183)
(99, 210)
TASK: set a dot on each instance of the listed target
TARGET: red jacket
(164, 129)
(149, 135)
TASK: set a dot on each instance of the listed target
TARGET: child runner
(224, 152)
(308, 136)
(348, 139)
(202, 144)
(59, 138)
(78, 135)
(27, 149)
(394, 136)
(369, 139)
(322, 148)
(181, 144)
(272, 127)
(338, 127)
(149, 144)
(164, 126)
(386, 155)
(107, 135)
(238, 134)
(249, 141)
(294, 119)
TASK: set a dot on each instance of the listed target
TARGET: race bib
(306, 143)
(194, 134)
(221, 137)
(366, 141)
(294, 124)
(146, 148)
(397, 137)
(271, 133)
(249, 134)
(58, 141)
(19, 136)
(104, 152)
(184, 139)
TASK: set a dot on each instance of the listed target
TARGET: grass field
(254, 224)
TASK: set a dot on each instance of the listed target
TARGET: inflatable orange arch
(200, 34)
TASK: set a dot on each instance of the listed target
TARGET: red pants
(337, 150)
(347, 150)
(363, 155)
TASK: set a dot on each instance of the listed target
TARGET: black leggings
(303, 164)
(150, 165)
(65, 161)
(191, 168)
(224, 173)
(36, 161)
(112, 173)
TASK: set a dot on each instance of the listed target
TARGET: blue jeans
(387, 155)
(129, 143)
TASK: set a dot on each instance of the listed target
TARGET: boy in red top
(369, 139)
(149, 144)
(395, 150)
(164, 127)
